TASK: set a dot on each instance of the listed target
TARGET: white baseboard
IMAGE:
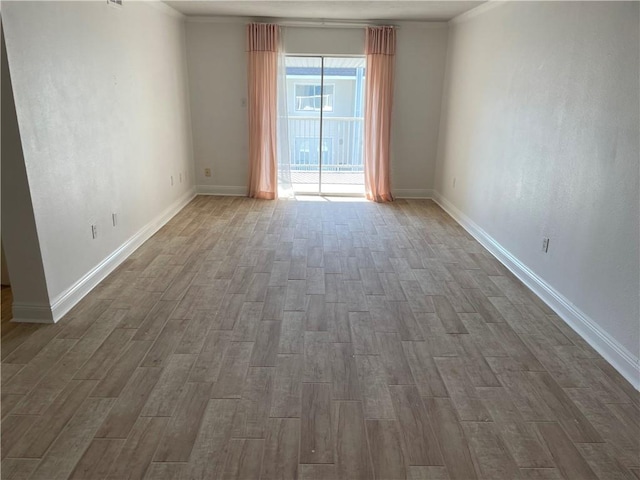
(224, 190)
(617, 355)
(31, 313)
(70, 297)
(412, 193)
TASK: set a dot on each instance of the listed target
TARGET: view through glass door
(325, 107)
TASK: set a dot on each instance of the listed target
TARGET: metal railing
(342, 144)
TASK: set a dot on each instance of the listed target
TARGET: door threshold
(333, 197)
(329, 194)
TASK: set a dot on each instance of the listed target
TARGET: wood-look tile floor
(317, 340)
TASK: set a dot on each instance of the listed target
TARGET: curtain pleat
(262, 44)
(380, 49)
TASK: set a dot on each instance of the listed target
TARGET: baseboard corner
(32, 313)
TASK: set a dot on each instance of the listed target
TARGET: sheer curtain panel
(262, 43)
(285, 188)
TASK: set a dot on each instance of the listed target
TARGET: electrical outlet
(181, 178)
(207, 172)
(545, 245)
(114, 219)
(243, 102)
(94, 231)
(172, 180)
(454, 182)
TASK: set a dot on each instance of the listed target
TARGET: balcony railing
(341, 144)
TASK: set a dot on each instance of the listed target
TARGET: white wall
(102, 105)
(19, 234)
(323, 41)
(540, 129)
(217, 83)
(420, 69)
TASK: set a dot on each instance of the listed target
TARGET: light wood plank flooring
(317, 340)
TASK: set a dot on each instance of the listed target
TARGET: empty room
(320, 240)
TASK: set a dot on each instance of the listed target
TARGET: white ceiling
(331, 10)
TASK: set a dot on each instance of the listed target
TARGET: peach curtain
(380, 48)
(262, 42)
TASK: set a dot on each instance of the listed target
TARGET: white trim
(412, 193)
(479, 10)
(70, 297)
(31, 313)
(224, 190)
(617, 355)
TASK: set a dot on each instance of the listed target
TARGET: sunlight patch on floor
(326, 198)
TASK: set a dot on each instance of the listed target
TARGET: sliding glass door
(325, 112)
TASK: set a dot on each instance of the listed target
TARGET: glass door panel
(342, 167)
(304, 105)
